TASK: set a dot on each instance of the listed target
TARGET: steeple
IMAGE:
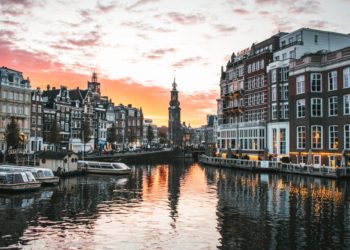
(174, 84)
(94, 77)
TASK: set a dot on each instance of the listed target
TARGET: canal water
(180, 205)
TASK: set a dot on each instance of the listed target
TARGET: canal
(180, 205)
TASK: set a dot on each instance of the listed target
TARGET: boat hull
(107, 171)
(47, 181)
(20, 187)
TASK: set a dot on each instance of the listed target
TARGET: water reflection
(180, 205)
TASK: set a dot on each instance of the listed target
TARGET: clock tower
(174, 117)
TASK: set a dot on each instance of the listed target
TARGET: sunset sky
(135, 46)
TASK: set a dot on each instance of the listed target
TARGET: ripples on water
(180, 206)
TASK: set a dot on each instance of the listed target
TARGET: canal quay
(180, 204)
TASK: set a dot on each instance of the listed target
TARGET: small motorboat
(96, 167)
(18, 182)
(43, 175)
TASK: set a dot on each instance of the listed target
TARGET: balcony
(242, 125)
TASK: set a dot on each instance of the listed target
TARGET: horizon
(135, 47)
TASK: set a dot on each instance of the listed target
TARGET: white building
(146, 124)
(15, 95)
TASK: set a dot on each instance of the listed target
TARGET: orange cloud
(154, 100)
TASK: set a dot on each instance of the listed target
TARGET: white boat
(103, 167)
(43, 175)
(18, 182)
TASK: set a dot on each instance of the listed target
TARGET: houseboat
(18, 182)
(96, 167)
(43, 175)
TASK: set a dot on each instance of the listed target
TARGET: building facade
(15, 100)
(146, 124)
(292, 46)
(320, 107)
(36, 124)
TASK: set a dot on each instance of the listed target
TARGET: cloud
(317, 24)
(13, 3)
(143, 26)
(308, 7)
(7, 33)
(106, 8)
(187, 61)
(158, 53)
(241, 11)
(61, 47)
(184, 19)
(90, 39)
(16, 8)
(20, 59)
(86, 15)
(224, 28)
(8, 22)
(140, 3)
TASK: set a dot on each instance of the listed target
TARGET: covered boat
(18, 182)
(43, 175)
(103, 167)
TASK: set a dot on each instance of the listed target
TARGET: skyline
(135, 47)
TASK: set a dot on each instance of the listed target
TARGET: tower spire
(174, 83)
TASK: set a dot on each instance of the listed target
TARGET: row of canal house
(35, 111)
(288, 96)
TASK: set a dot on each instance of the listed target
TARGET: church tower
(174, 117)
(94, 85)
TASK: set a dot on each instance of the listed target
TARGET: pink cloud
(186, 19)
(241, 11)
(224, 28)
(158, 53)
(187, 61)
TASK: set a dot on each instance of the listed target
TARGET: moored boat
(103, 167)
(18, 182)
(43, 175)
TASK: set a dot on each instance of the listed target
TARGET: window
(301, 108)
(262, 64)
(316, 107)
(333, 106)
(274, 141)
(274, 93)
(284, 92)
(292, 54)
(300, 84)
(274, 111)
(301, 137)
(333, 137)
(316, 137)
(284, 110)
(284, 74)
(347, 104)
(346, 77)
(284, 56)
(249, 68)
(347, 136)
(332, 80)
(316, 39)
(299, 37)
(316, 82)
(283, 141)
(273, 76)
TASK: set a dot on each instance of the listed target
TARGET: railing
(324, 171)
